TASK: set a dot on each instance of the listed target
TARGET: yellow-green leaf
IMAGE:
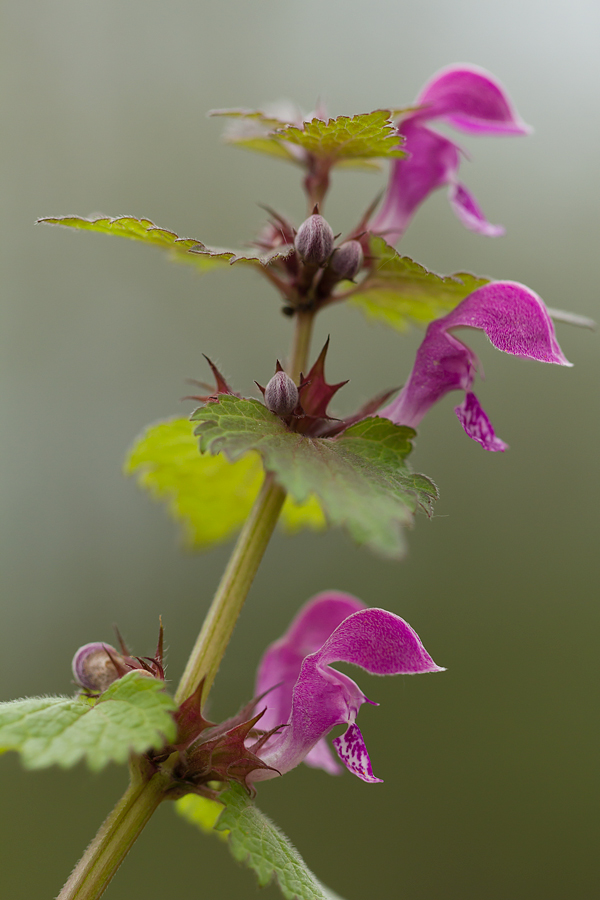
(209, 495)
(365, 136)
(349, 141)
(201, 812)
(262, 846)
(255, 841)
(188, 250)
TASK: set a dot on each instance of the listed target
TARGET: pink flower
(468, 98)
(308, 698)
(515, 320)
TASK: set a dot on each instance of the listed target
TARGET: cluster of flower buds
(97, 665)
(323, 264)
(309, 272)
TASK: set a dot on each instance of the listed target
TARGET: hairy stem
(93, 872)
(232, 591)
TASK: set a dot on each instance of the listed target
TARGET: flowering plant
(240, 463)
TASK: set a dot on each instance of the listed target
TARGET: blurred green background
(490, 768)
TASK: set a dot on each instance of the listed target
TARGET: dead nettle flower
(300, 699)
(309, 698)
(96, 665)
(514, 319)
(468, 98)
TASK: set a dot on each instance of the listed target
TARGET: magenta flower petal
(433, 162)
(352, 750)
(321, 757)
(474, 420)
(281, 664)
(379, 642)
(442, 364)
(321, 697)
(513, 317)
(470, 213)
(515, 320)
(471, 99)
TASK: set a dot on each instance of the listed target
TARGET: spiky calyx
(210, 752)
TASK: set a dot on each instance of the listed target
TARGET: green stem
(115, 837)
(95, 869)
(301, 344)
(243, 564)
(232, 591)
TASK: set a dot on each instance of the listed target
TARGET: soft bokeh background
(491, 768)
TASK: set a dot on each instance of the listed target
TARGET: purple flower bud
(93, 668)
(347, 260)
(281, 394)
(314, 241)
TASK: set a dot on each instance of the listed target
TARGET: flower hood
(308, 698)
(470, 99)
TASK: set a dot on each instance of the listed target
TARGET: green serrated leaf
(400, 291)
(258, 843)
(209, 495)
(360, 478)
(366, 136)
(351, 142)
(187, 250)
(132, 716)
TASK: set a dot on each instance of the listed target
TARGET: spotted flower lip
(514, 319)
(308, 698)
(470, 99)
